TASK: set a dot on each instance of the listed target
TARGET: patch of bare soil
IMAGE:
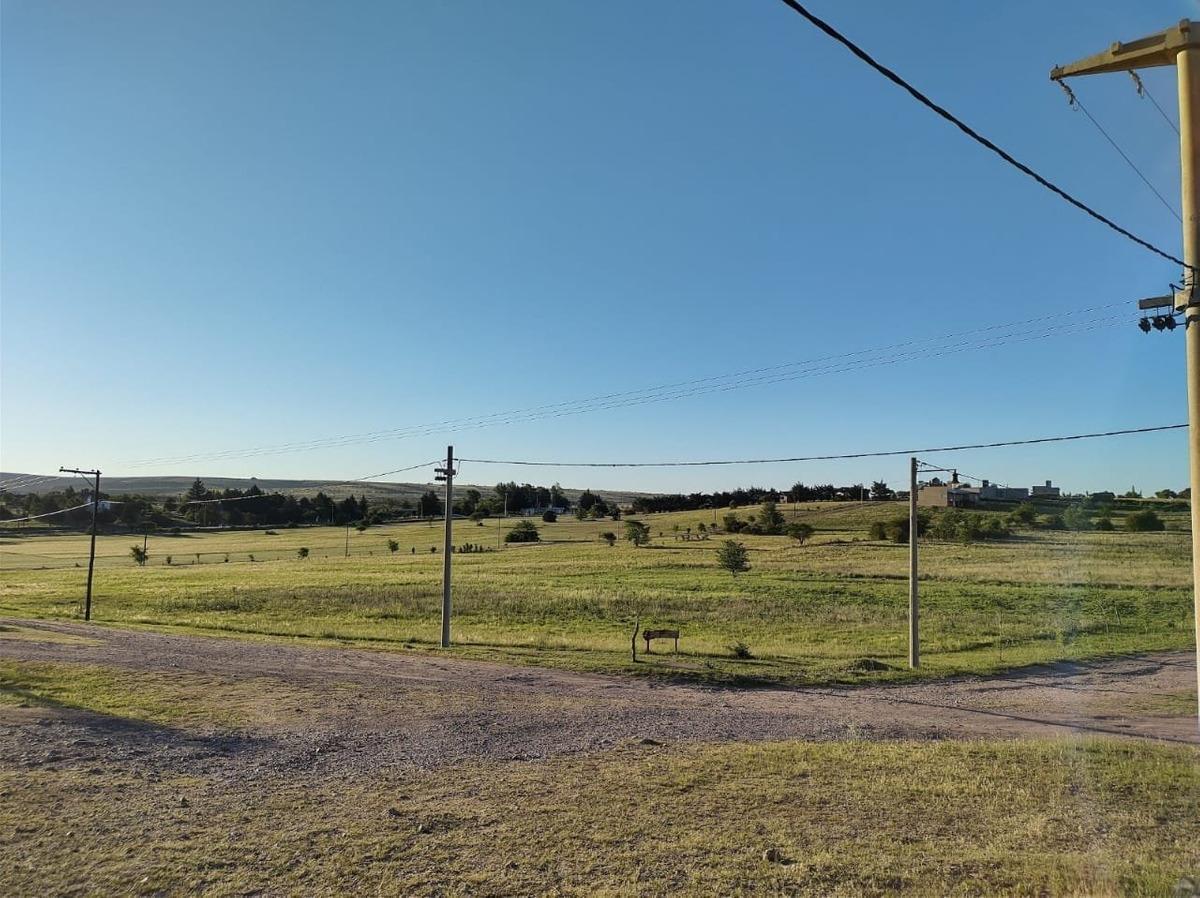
(339, 711)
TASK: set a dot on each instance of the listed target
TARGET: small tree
(393, 546)
(609, 537)
(1104, 524)
(139, 555)
(301, 553)
(549, 516)
(733, 557)
(771, 519)
(800, 532)
(637, 533)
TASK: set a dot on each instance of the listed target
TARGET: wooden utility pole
(914, 611)
(87, 602)
(447, 474)
(1179, 46)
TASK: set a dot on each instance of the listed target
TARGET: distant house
(995, 493)
(962, 495)
(936, 494)
(542, 509)
(1049, 491)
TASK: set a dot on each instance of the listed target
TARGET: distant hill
(177, 486)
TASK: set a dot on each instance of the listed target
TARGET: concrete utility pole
(1179, 46)
(447, 474)
(914, 621)
(87, 602)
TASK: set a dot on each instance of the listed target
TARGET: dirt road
(335, 711)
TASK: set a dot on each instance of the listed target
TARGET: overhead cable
(1144, 91)
(49, 514)
(841, 457)
(820, 366)
(1076, 103)
(975, 135)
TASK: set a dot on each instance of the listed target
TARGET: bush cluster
(768, 522)
(523, 532)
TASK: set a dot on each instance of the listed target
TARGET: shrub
(896, 529)
(966, 527)
(523, 532)
(1104, 524)
(168, 559)
(302, 552)
(393, 546)
(1077, 518)
(1025, 513)
(609, 537)
(549, 516)
(1143, 522)
(740, 650)
(139, 555)
(1052, 522)
(733, 557)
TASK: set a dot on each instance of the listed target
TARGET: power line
(934, 468)
(975, 135)
(318, 486)
(26, 481)
(835, 364)
(49, 514)
(1076, 103)
(842, 457)
(1144, 91)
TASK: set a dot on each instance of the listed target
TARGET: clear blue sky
(235, 225)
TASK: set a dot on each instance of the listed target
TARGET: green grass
(808, 613)
(975, 818)
(179, 699)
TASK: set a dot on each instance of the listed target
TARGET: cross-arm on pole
(1158, 49)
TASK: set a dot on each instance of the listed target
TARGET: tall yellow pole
(914, 605)
(1187, 65)
(1179, 46)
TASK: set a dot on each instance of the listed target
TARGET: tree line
(754, 495)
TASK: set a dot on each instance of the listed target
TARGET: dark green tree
(733, 557)
(637, 533)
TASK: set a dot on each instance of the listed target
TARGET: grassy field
(1022, 817)
(976, 818)
(807, 613)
